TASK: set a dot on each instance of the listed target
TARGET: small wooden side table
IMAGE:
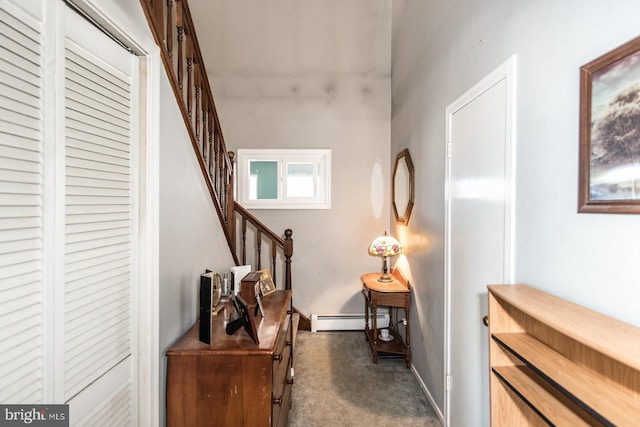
(392, 294)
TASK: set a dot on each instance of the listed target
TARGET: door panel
(478, 235)
(98, 225)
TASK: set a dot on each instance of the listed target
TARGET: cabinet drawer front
(283, 338)
(393, 299)
(281, 403)
(281, 371)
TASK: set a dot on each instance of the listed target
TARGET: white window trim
(321, 158)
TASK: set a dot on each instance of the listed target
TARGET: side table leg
(366, 317)
(408, 331)
(375, 333)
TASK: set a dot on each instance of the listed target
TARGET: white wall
(311, 74)
(191, 238)
(442, 48)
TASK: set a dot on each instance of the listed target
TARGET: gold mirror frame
(402, 187)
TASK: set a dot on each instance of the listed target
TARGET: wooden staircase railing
(173, 30)
(263, 233)
(172, 27)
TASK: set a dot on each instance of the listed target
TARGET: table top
(399, 283)
(276, 306)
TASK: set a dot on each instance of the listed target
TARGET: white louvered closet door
(21, 208)
(67, 214)
(99, 225)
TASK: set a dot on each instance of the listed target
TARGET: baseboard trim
(345, 322)
(427, 393)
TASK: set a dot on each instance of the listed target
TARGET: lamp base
(385, 278)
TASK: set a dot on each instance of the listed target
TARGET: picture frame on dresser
(245, 319)
(267, 287)
(609, 175)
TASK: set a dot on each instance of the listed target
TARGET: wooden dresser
(233, 381)
(557, 363)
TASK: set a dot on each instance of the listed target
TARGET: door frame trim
(129, 26)
(507, 72)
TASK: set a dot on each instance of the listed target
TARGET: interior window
(284, 179)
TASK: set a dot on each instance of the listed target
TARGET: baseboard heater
(345, 322)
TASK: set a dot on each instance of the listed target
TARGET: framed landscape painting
(610, 132)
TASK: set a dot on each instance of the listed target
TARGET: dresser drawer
(281, 371)
(281, 375)
(282, 401)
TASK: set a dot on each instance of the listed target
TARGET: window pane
(300, 180)
(263, 180)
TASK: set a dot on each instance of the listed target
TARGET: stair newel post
(288, 253)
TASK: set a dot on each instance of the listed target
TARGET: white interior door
(71, 280)
(479, 233)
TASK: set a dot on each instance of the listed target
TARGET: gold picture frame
(266, 284)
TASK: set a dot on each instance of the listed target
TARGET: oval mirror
(402, 187)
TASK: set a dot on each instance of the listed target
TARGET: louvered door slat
(29, 75)
(89, 267)
(17, 82)
(110, 304)
(93, 285)
(21, 196)
(75, 89)
(89, 137)
(86, 209)
(26, 51)
(99, 126)
(8, 57)
(25, 121)
(85, 84)
(11, 105)
(96, 109)
(96, 148)
(113, 329)
(98, 157)
(28, 33)
(17, 129)
(111, 82)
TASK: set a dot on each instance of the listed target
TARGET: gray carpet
(337, 384)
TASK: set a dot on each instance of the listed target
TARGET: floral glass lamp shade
(385, 246)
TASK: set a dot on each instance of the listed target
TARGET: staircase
(172, 27)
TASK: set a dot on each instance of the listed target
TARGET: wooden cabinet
(396, 293)
(232, 381)
(557, 363)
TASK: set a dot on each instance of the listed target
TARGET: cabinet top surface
(612, 337)
(399, 284)
(275, 308)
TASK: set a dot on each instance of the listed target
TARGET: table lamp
(385, 246)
